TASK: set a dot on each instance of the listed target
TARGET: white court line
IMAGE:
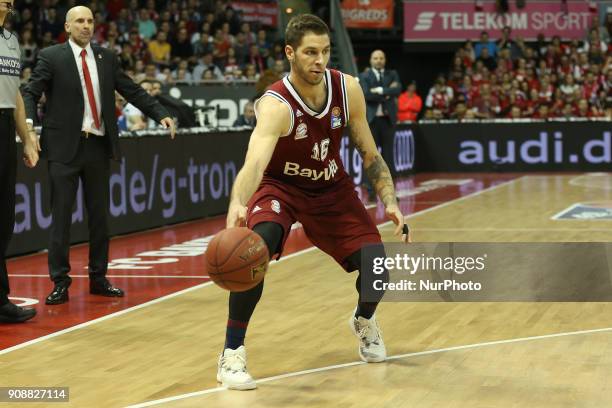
(172, 295)
(356, 363)
(560, 213)
(131, 309)
(578, 182)
(117, 276)
(469, 196)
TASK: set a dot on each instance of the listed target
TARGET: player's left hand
(401, 228)
(168, 123)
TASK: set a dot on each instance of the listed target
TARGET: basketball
(237, 259)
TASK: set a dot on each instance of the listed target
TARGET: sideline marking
(356, 363)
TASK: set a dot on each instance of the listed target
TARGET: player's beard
(304, 75)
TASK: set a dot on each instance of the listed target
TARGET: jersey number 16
(320, 153)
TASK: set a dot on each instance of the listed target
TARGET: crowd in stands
(170, 41)
(166, 41)
(509, 78)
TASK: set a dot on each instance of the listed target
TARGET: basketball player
(293, 172)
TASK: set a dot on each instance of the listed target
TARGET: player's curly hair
(302, 24)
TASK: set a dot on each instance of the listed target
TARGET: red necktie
(90, 92)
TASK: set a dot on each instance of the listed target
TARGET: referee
(12, 117)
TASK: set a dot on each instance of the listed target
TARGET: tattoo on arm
(377, 171)
(380, 177)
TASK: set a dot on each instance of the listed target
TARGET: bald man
(79, 135)
(381, 88)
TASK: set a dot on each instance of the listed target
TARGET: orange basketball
(237, 259)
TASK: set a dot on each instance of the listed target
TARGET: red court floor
(155, 263)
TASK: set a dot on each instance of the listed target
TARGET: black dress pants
(8, 174)
(91, 166)
(382, 131)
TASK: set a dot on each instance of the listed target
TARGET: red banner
(263, 13)
(367, 13)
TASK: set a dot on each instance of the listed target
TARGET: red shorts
(335, 221)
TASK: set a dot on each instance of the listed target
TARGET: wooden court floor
(300, 347)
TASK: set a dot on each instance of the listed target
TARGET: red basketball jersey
(308, 155)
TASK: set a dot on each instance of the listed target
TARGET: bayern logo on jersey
(301, 132)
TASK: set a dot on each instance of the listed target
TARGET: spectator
(459, 111)
(506, 43)
(458, 64)
(467, 89)
(232, 19)
(151, 9)
(254, 58)
(515, 112)
(543, 68)
(128, 61)
(504, 61)
(29, 49)
(245, 29)
(487, 60)
(150, 74)
(26, 73)
(241, 46)
(485, 43)
(181, 73)
(606, 29)
(469, 56)
(146, 27)
(47, 40)
(124, 24)
(51, 23)
(221, 44)
(248, 116)
(584, 111)
(181, 47)
(160, 50)
(569, 85)
(135, 119)
(262, 40)
(280, 68)
(100, 27)
(542, 112)
(206, 64)
(251, 73)
(204, 45)
(230, 68)
(133, 10)
(546, 90)
(183, 113)
(541, 46)
(486, 106)
(409, 104)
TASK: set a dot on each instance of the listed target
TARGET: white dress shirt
(88, 120)
(379, 73)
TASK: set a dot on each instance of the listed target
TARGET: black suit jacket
(368, 80)
(56, 74)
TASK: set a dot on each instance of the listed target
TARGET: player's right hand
(236, 215)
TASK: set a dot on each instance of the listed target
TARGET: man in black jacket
(381, 88)
(79, 136)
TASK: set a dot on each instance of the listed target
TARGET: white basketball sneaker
(232, 371)
(371, 345)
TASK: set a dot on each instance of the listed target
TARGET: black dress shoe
(58, 296)
(104, 289)
(10, 313)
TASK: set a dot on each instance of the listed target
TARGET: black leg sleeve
(242, 304)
